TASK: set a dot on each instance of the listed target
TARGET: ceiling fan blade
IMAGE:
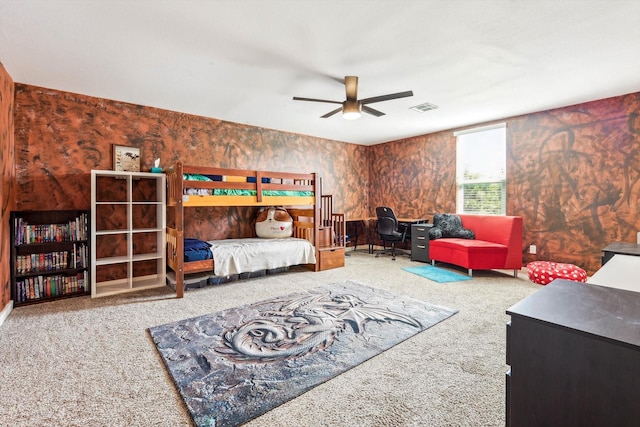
(372, 111)
(386, 97)
(351, 88)
(297, 98)
(331, 113)
(352, 107)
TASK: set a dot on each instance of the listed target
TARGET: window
(481, 177)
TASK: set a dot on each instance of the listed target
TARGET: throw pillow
(449, 225)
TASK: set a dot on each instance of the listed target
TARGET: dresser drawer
(331, 258)
(421, 229)
(507, 400)
(508, 352)
(419, 251)
(324, 237)
(420, 242)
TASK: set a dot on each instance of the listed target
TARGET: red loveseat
(497, 244)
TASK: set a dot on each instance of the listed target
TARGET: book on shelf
(74, 230)
(45, 261)
(40, 273)
(40, 287)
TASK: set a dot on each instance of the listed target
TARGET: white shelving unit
(128, 226)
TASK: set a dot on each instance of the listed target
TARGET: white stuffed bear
(274, 222)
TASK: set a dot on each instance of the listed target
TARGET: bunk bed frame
(312, 212)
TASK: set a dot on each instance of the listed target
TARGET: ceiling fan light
(351, 111)
(351, 115)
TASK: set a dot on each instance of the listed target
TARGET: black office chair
(389, 230)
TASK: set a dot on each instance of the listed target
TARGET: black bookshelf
(50, 255)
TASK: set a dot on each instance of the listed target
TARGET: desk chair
(389, 230)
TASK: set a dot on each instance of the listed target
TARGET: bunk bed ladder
(326, 209)
(334, 223)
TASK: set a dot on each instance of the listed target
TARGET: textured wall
(61, 136)
(7, 193)
(573, 174)
(415, 176)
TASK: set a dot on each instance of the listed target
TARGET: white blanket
(235, 256)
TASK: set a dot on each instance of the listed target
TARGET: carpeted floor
(81, 362)
(234, 365)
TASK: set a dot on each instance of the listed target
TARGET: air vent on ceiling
(424, 107)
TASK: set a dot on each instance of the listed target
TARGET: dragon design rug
(237, 364)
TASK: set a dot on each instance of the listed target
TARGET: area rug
(237, 364)
(436, 274)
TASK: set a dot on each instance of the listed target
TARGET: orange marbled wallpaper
(61, 137)
(7, 193)
(414, 176)
(573, 174)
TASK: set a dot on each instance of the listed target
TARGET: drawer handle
(420, 237)
(421, 246)
(420, 228)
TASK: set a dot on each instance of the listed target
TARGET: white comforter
(234, 256)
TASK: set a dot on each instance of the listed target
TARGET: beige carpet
(91, 362)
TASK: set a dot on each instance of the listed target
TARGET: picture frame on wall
(126, 159)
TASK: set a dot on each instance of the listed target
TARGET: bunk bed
(314, 221)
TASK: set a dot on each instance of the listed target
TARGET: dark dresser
(622, 248)
(574, 355)
(420, 242)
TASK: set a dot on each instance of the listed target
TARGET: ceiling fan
(352, 107)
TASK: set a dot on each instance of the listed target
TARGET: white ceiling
(243, 60)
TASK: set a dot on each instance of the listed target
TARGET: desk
(364, 221)
(574, 353)
(622, 248)
(411, 221)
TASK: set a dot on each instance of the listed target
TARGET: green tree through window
(481, 170)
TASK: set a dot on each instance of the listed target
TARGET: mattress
(236, 256)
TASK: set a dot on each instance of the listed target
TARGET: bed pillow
(195, 177)
(274, 222)
(253, 179)
(196, 191)
(197, 255)
(195, 245)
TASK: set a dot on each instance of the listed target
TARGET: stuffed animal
(449, 225)
(274, 222)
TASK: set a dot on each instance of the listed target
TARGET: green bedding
(236, 192)
(231, 192)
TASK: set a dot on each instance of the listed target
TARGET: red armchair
(497, 244)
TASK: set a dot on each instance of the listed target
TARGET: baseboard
(5, 312)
